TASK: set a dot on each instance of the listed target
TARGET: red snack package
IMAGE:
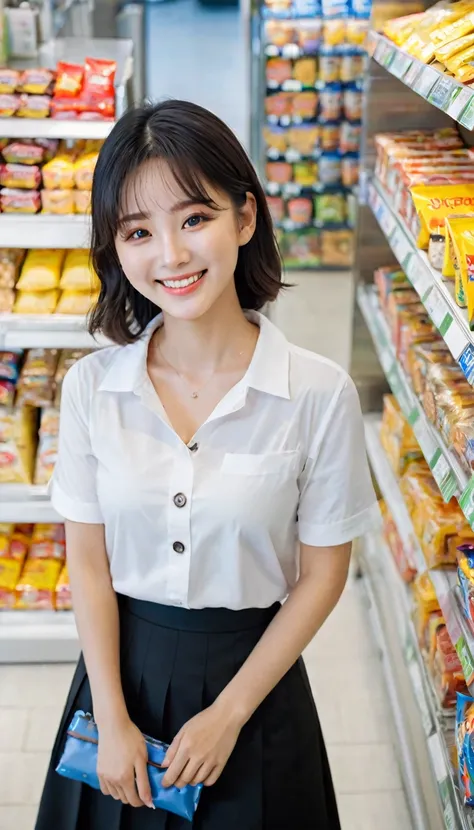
(34, 106)
(9, 80)
(35, 81)
(20, 201)
(99, 80)
(69, 80)
(24, 176)
(9, 105)
(23, 153)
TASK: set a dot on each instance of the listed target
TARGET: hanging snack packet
(464, 746)
(454, 224)
(434, 203)
(467, 269)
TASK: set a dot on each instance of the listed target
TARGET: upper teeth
(182, 283)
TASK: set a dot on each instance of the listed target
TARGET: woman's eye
(194, 221)
(141, 233)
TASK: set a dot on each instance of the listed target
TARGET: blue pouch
(79, 762)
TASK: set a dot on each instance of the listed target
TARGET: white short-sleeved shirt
(214, 523)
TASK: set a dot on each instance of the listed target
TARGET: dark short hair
(200, 150)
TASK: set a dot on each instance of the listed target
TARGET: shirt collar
(268, 370)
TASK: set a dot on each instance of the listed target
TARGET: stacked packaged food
(33, 570)
(71, 91)
(30, 393)
(47, 281)
(47, 175)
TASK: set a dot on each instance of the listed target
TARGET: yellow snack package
(78, 273)
(36, 589)
(41, 270)
(454, 47)
(434, 203)
(400, 28)
(454, 235)
(36, 302)
(76, 302)
(85, 165)
(58, 174)
(454, 223)
(10, 571)
(17, 445)
(458, 28)
(467, 254)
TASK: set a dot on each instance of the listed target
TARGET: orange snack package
(36, 588)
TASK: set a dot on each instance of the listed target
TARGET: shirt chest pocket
(280, 464)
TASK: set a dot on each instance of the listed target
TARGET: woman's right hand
(122, 764)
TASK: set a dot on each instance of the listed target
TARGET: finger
(172, 750)
(113, 791)
(188, 773)
(122, 794)
(130, 793)
(143, 784)
(213, 777)
(201, 775)
(175, 768)
(104, 786)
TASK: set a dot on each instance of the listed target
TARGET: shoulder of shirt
(90, 370)
(311, 372)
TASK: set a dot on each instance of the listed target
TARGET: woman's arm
(201, 749)
(122, 750)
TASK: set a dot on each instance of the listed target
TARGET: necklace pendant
(194, 394)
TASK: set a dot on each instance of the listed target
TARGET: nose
(174, 252)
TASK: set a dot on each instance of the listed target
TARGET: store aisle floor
(346, 678)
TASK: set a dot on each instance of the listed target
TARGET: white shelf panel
(435, 293)
(53, 128)
(38, 637)
(447, 471)
(26, 503)
(44, 231)
(445, 93)
(47, 331)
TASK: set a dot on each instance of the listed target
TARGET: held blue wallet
(79, 762)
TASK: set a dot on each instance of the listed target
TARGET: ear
(247, 219)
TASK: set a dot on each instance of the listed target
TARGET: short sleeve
(73, 485)
(337, 499)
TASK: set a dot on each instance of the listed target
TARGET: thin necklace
(194, 392)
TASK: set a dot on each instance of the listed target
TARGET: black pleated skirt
(174, 663)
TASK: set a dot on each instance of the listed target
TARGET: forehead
(154, 187)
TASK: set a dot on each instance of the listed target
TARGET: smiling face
(180, 253)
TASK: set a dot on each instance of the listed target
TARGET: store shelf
(25, 503)
(38, 637)
(435, 293)
(446, 469)
(44, 231)
(444, 92)
(53, 128)
(47, 331)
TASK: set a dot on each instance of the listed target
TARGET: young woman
(208, 470)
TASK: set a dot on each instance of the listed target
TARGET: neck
(203, 344)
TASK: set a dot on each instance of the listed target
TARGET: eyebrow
(182, 205)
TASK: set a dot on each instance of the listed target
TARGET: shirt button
(178, 547)
(180, 499)
(194, 448)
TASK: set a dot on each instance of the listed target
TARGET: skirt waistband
(199, 620)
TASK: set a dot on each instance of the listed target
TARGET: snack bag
(63, 591)
(464, 745)
(69, 79)
(434, 203)
(76, 302)
(37, 585)
(10, 571)
(9, 80)
(20, 175)
(278, 70)
(34, 106)
(15, 200)
(466, 581)
(10, 364)
(48, 542)
(17, 445)
(78, 273)
(454, 47)
(304, 70)
(22, 152)
(82, 201)
(58, 174)
(41, 270)
(454, 224)
(36, 302)
(9, 105)
(397, 437)
(35, 81)
(58, 202)
(11, 260)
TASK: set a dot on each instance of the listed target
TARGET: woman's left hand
(201, 748)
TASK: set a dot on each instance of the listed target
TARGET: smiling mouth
(182, 283)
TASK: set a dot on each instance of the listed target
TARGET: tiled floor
(348, 686)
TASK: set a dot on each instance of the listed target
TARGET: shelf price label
(400, 64)
(466, 660)
(412, 76)
(439, 312)
(466, 502)
(401, 247)
(419, 277)
(459, 101)
(467, 118)
(426, 81)
(441, 93)
(443, 475)
(425, 438)
(417, 685)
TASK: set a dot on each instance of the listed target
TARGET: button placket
(179, 526)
